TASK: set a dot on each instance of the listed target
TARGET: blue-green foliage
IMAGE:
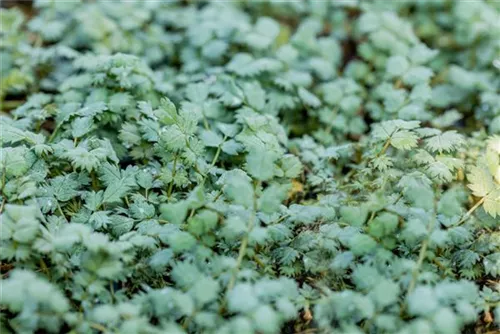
(250, 167)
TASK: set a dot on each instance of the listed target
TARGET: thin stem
(216, 157)
(8, 105)
(241, 255)
(112, 290)
(99, 327)
(54, 133)
(171, 186)
(384, 149)
(244, 243)
(214, 161)
(421, 257)
(127, 202)
(469, 213)
(205, 123)
(259, 262)
(2, 205)
(280, 219)
(219, 193)
(61, 211)
(372, 216)
(95, 186)
(4, 177)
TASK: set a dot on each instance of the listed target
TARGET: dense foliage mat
(250, 167)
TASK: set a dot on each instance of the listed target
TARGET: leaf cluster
(241, 167)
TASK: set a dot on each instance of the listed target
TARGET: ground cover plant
(250, 167)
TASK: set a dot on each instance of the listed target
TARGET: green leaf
(81, 126)
(166, 112)
(481, 181)
(161, 259)
(272, 197)
(354, 215)
(404, 140)
(242, 298)
(308, 98)
(11, 134)
(385, 293)
(291, 165)
(396, 66)
(255, 95)
(385, 130)
(205, 290)
(65, 187)
(211, 138)
(181, 241)
(266, 319)
(174, 212)
(260, 163)
(446, 321)
(385, 224)
(362, 244)
(119, 183)
(445, 142)
(237, 187)
(422, 301)
(14, 160)
(203, 222)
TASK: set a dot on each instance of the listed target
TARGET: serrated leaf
(404, 140)
(445, 142)
(260, 163)
(481, 181)
(308, 98)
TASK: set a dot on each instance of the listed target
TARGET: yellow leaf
(297, 187)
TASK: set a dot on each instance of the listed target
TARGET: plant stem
(241, 255)
(244, 243)
(44, 267)
(214, 161)
(205, 123)
(2, 205)
(4, 177)
(8, 105)
(99, 327)
(171, 186)
(469, 213)
(112, 290)
(421, 257)
(384, 149)
(54, 133)
(61, 211)
(216, 157)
